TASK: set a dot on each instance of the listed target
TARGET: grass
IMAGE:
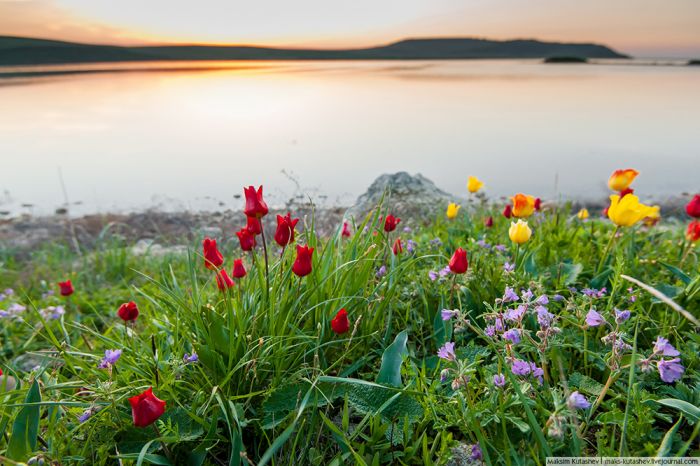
(274, 385)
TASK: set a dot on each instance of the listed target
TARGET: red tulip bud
(302, 265)
(346, 230)
(128, 311)
(146, 408)
(66, 288)
(246, 238)
(238, 269)
(693, 231)
(538, 204)
(223, 281)
(253, 225)
(390, 223)
(340, 323)
(255, 206)
(488, 222)
(285, 229)
(459, 262)
(693, 207)
(212, 257)
(508, 211)
(398, 247)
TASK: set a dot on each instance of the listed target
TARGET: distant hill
(28, 51)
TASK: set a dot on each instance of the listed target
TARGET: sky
(643, 28)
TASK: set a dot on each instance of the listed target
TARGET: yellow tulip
(627, 211)
(523, 205)
(452, 210)
(653, 217)
(474, 184)
(519, 232)
(582, 214)
(622, 179)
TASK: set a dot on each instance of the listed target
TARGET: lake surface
(190, 135)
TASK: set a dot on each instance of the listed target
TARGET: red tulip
(128, 311)
(0, 371)
(538, 204)
(212, 257)
(346, 230)
(488, 222)
(390, 223)
(625, 192)
(459, 262)
(253, 225)
(302, 265)
(693, 207)
(398, 247)
(66, 288)
(693, 232)
(146, 408)
(238, 269)
(246, 238)
(508, 211)
(340, 323)
(223, 281)
(255, 206)
(285, 229)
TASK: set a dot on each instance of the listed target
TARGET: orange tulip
(622, 179)
(523, 205)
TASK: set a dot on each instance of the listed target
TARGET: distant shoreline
(30, 51)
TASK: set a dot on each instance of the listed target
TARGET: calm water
(190, 137)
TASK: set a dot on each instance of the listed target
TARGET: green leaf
(677, 272)
(25, 429)
(568, 273)
(693, 412)
(390, 370)
(585, 384)
(667, 443)
(520, 424)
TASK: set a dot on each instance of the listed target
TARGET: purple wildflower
(500, 247)
(537, 372)
(621, 316)
(544, 317)
(508, 267)
(594, 319)
(448, 314)
(509, 295)
(444, 375)
(520, 367)
(558, 298)
(407, 229)
(444, 272)
(410, 246)
(542, 300)
(670, 370)
(482, 243)
(512, 335)
(436, 242)
(476, 454)
(110, 359)
(499, 324)
(381, 272)
(190, 358)
(432, 275)
(499, 380)
(447, 351)
(663, 347)
(514, 315)
(526, 295)
(577, 401)
(490, 331)
(87, 414)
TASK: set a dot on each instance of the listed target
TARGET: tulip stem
(267, 271)
(604, 257)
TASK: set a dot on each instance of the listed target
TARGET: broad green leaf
(693, 412)
(666, 444)
(585, 384)
(677, 272)
(390, 370)
(25, 429)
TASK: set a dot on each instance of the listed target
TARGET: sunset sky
(648, 28)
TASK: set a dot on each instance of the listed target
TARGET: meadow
(488, 334)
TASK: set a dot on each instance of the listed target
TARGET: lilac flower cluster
(615, 338)
(110, 359)
(433, 275)
(670, 370)
(527, 368)
(52, 312)
(13, 311)
(593, 293)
